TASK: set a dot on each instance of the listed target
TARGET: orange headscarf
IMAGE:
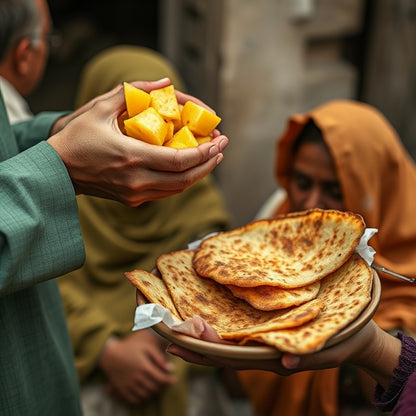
(378, 181)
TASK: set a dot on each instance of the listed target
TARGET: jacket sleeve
(32, 131)
(40, 236)
(399, 394)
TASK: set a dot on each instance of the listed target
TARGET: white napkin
(363, 249)
(150, 314)
(195, 244)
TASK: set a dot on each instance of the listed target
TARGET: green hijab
(124, 63)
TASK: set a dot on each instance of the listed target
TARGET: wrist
(379, 355)
(57, 126)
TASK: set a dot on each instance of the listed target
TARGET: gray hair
(18, 19)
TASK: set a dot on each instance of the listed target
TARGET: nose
(314, 199)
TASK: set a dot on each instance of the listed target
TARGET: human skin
(24, 64)
(371, 349)
(103, 162)
(137, 367)
(37, 56)
(314, 182)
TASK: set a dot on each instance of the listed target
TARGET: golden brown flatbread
(345, 294)
(233, 318)
(290, 251)
(153, 288)
(269, 298)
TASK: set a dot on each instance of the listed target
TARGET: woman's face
(314, 182)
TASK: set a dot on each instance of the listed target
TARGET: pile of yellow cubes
(157, 118)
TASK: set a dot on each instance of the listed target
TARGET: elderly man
(24, 50)
(44, 163)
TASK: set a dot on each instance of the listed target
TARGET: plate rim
(264, 352)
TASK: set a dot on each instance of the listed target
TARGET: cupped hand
(198, 328)
(370, 348)
(136, 367)
(103, 162)
(144, 85)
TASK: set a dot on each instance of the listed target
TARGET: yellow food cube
(148, 126)
(203, 139)
(169, 130)
(165, 103)
(182, 139)
(136, 99)
(199, 120)
(177, 124)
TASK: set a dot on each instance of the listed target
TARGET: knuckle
(183, 181)
(181, 160)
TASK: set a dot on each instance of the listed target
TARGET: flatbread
(269, 298)
(231, 317)
(345, 294)
(290, 251)
(153, 289)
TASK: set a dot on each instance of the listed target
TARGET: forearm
(380, 356)
(40, 237)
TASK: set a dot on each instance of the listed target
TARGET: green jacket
(40, 239)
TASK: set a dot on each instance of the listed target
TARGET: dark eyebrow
(334, 182)
(331, 183)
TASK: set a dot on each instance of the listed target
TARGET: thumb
(115, 97)
(290, 361)
(151, 85)
(198, 328)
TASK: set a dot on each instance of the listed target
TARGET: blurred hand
(371, 348)
(136, 367)
(103, 162)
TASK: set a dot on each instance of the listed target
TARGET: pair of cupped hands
(103, 162)
(372, 349)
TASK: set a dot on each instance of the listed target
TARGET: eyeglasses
(53, 40)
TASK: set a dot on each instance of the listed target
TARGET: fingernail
(222, 144)
(199, 326)
(162, 79)
(213, 150)
(290, 361)
(193, 327)
(171, 349)
(219, 158)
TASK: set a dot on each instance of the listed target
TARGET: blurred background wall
(254, 61)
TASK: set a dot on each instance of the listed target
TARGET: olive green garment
(99, 300)
(126, 63)
(39, 239)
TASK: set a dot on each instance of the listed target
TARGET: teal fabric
(40, 239)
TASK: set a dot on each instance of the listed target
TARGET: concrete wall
(389, 81)
(256, 62)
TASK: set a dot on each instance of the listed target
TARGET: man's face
(314, 182)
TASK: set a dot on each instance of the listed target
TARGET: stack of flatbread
(291, 282)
